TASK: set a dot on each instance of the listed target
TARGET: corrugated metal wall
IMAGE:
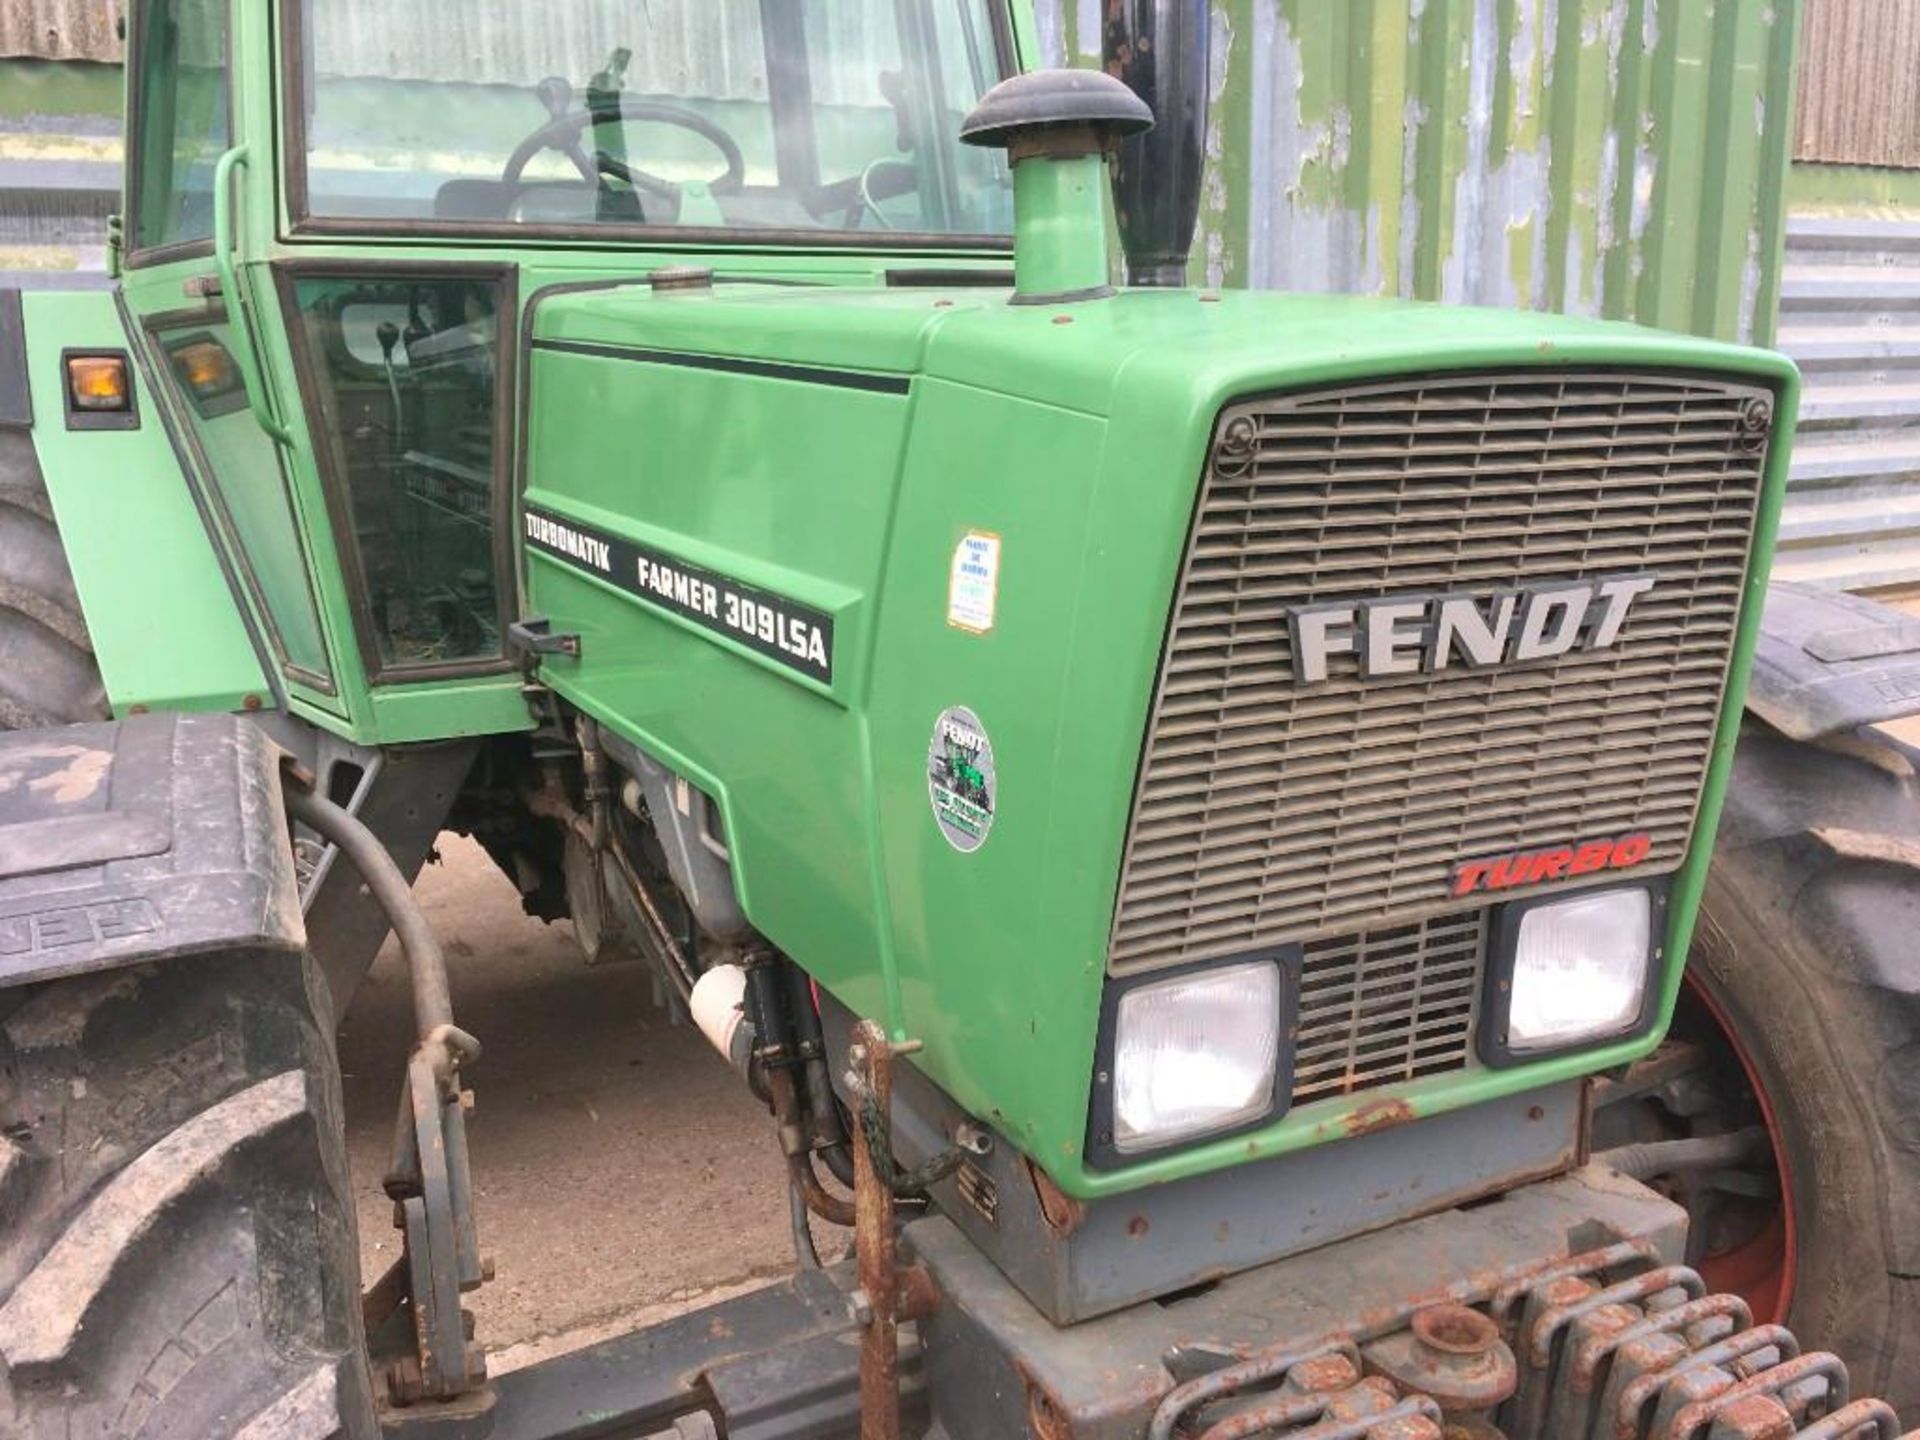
(1614, 157)
(1850, 300)
(1850, 317)
(1618, 157)
(442, 39)
(521, 44)
(1860, 83)
(59, 143)
(60, 29)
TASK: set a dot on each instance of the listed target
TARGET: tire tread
(177, 1261)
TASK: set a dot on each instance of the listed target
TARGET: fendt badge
(1422, 634)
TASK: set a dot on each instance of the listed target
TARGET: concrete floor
(623, 1172)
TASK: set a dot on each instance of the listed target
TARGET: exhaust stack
(1159, 48)
(1059, 129)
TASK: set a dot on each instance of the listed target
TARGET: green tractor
(1189, 807)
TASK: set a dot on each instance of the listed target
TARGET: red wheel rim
(1761, 1271)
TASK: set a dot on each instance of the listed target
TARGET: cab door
(196, 321)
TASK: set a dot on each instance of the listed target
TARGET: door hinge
(533, 636)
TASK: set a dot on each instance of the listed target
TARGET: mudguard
(139, 840)
(1828, 663)
(166, 626)
(1820, 835)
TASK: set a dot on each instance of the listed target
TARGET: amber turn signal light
(98, 383)
(206, 368)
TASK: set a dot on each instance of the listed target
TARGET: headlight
(1573, 971)
(1194, 1054)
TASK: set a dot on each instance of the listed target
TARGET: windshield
(752, 115)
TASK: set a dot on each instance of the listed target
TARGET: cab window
(738, 115)
(180, 99)
(402, 373)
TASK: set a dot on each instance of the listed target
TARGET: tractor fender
(155, 838)
(1827, 663)
(118, 518)
(1823, 803)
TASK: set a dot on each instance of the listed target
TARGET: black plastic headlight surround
(1192, 1054)
(1570, 972)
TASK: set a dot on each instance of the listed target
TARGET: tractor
(1190, 807)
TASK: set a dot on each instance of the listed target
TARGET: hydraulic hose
(823, 1202)
(830, 1137)
(361, 848)
(805, 1253)
(1666, 1157)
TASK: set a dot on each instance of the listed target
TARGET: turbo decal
(1553, 862)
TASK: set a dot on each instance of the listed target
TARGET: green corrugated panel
(1616, 157)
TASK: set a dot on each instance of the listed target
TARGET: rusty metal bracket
(429, 1179)
(431, 1186)
(888, 1293)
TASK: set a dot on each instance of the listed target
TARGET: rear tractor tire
(48, 675)
(177, 1251)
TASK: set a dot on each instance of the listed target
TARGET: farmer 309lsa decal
(796, 635)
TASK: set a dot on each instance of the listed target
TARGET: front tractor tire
(177, 1251)
(1806, 983)
(48, 675)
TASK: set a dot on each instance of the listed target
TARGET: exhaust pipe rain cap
(1059, 129)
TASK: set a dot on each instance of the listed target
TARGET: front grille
(1267, 813)
(1390, 1005)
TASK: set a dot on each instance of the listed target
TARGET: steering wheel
(564, 131)
(882, 179)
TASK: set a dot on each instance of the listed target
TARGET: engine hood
(1099, 357)
(893, 532)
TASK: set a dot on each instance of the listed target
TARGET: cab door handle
(244, 353)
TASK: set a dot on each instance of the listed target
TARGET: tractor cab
(340, 216)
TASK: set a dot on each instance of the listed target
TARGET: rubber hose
(805, 1253)
(829, 1207)
(426, 964)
